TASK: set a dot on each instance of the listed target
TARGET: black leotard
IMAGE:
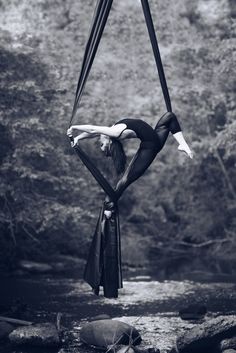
(143, 130)
(152, 141)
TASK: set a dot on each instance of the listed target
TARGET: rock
(172, 350)
(126, 349)
(136, 349)
(114, 348)
(41, 335)
(5, 329)
(120, 348)
(229, 343)
(140, 278)
(100, 317)
(147, 350)
(103, 333)
(35, 267)
(193, 312)
(206, 337)
(229, 351)
(153, 350)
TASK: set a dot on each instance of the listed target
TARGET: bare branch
(205, 243)
(30, 235)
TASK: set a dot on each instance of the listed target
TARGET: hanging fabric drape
(156, 51)
(99, 21)
(104, 261)
(103, 266)
(101, 14)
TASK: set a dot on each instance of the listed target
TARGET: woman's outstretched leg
(138, 165)
(144, 156)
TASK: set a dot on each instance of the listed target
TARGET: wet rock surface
(100, 317)
(126, 349)
(229, 343)
(193, 312)
(103, 333)
(40, 335)
(206, 337)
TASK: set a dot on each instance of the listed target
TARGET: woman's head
(105, 144)
(113, 148)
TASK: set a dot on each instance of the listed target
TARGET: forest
(180, 208)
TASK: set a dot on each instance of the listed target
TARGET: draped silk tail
(103, 266)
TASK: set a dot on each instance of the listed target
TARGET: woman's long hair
(118, 156)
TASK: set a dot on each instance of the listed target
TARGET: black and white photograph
(118, 176)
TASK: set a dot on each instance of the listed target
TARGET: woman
(152, 141)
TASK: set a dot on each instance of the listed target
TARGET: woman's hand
(70, 131)
(76, 139)
(70, 135)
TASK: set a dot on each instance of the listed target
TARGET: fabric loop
(96, 173)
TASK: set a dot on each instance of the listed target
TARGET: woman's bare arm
(113, 131)
(85, 135)
(82, 136)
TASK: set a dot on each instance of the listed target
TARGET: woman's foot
(185, 148)
(108, 214)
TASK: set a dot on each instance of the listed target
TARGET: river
(149, 303)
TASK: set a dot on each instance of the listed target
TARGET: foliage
(49, 202)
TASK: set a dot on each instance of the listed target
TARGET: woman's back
(142, 129)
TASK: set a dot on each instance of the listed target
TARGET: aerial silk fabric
(100, 17)
(156, 52)
(104, 261)
(103, 266)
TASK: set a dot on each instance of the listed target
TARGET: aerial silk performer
(104, 261)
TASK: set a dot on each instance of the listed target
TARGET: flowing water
(150, 304)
